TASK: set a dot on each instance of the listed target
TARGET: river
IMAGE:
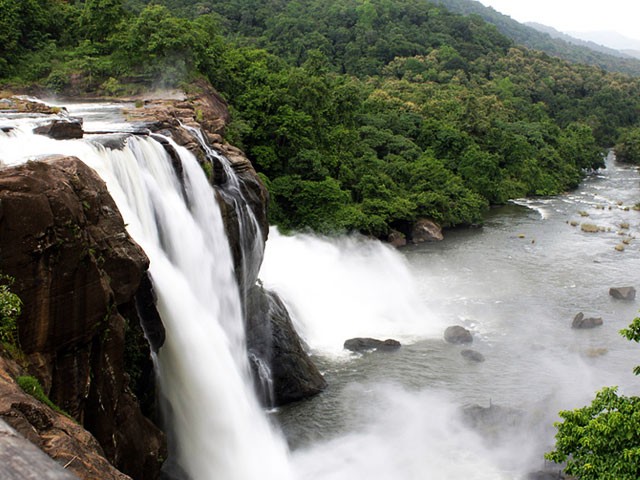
(516, 284)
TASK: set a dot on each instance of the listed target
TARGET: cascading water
(216, 425)
(340, 288)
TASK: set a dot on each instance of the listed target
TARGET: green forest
(360, 115)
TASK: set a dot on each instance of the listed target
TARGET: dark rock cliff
(77, 272)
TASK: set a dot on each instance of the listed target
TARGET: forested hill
(535, 39)
(360, 114)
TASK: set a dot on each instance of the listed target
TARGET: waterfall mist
(340, 288)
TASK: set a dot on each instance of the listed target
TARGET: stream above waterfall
(516, 284)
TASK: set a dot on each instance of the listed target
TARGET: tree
(100, 18)
(602, 441)
(628, 147)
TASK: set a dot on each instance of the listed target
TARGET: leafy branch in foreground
(602, 441)
(10, 308)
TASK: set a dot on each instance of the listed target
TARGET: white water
(516, 284)
(217, 426)
(347, 287)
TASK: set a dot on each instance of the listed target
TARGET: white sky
(621, 16)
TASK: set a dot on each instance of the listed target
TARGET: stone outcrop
(75, 451)
(425, 230)
(457, 335)
(77, 272)
(582, 322)
(272, 338)
(61, 128)
(623, 293)
(365, 344)
(22, 460)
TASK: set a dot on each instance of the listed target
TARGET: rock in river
(582, 322)
(363, 344)
(457, 334)
(472, 356)
(623, 293)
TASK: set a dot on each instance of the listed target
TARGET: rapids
(516, 284)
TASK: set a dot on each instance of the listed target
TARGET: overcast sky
(621, 16)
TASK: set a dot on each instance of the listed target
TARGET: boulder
(623, 293)
(425, 230)
(472, 356)
(396, 239)
(78, 273)
(66, 442)
(273, 343)
(364, 344)
(582, 322)
(457, 335)
(61, 128)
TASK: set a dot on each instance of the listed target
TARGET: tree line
(359, 114)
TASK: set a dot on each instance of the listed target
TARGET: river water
(516, 284)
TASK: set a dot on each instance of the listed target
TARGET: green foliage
(602, 440)
(364, 115)
(10, 309)
(628, 146)
(32, 386)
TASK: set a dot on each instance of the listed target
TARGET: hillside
(553, 33)
(532, 38)
(362, 116)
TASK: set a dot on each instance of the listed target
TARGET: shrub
(10, 308)
(32, 386)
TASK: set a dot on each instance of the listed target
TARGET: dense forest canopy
(360, 114)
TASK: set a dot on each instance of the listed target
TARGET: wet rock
(396, 239)
(623, 293)
(493, 422)
(272, 338)
(21, 460)
(77, 272)
(425, 230)
(65, 442)
(472, 356)
(116, 141)
(457, 335)
(61, 129)
(364, 344)
(582, 322)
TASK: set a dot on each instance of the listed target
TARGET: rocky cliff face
(77, 272)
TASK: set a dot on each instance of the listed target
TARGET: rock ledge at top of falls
(457, 335)
(78, 273)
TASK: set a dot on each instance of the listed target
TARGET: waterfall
(216, 424)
